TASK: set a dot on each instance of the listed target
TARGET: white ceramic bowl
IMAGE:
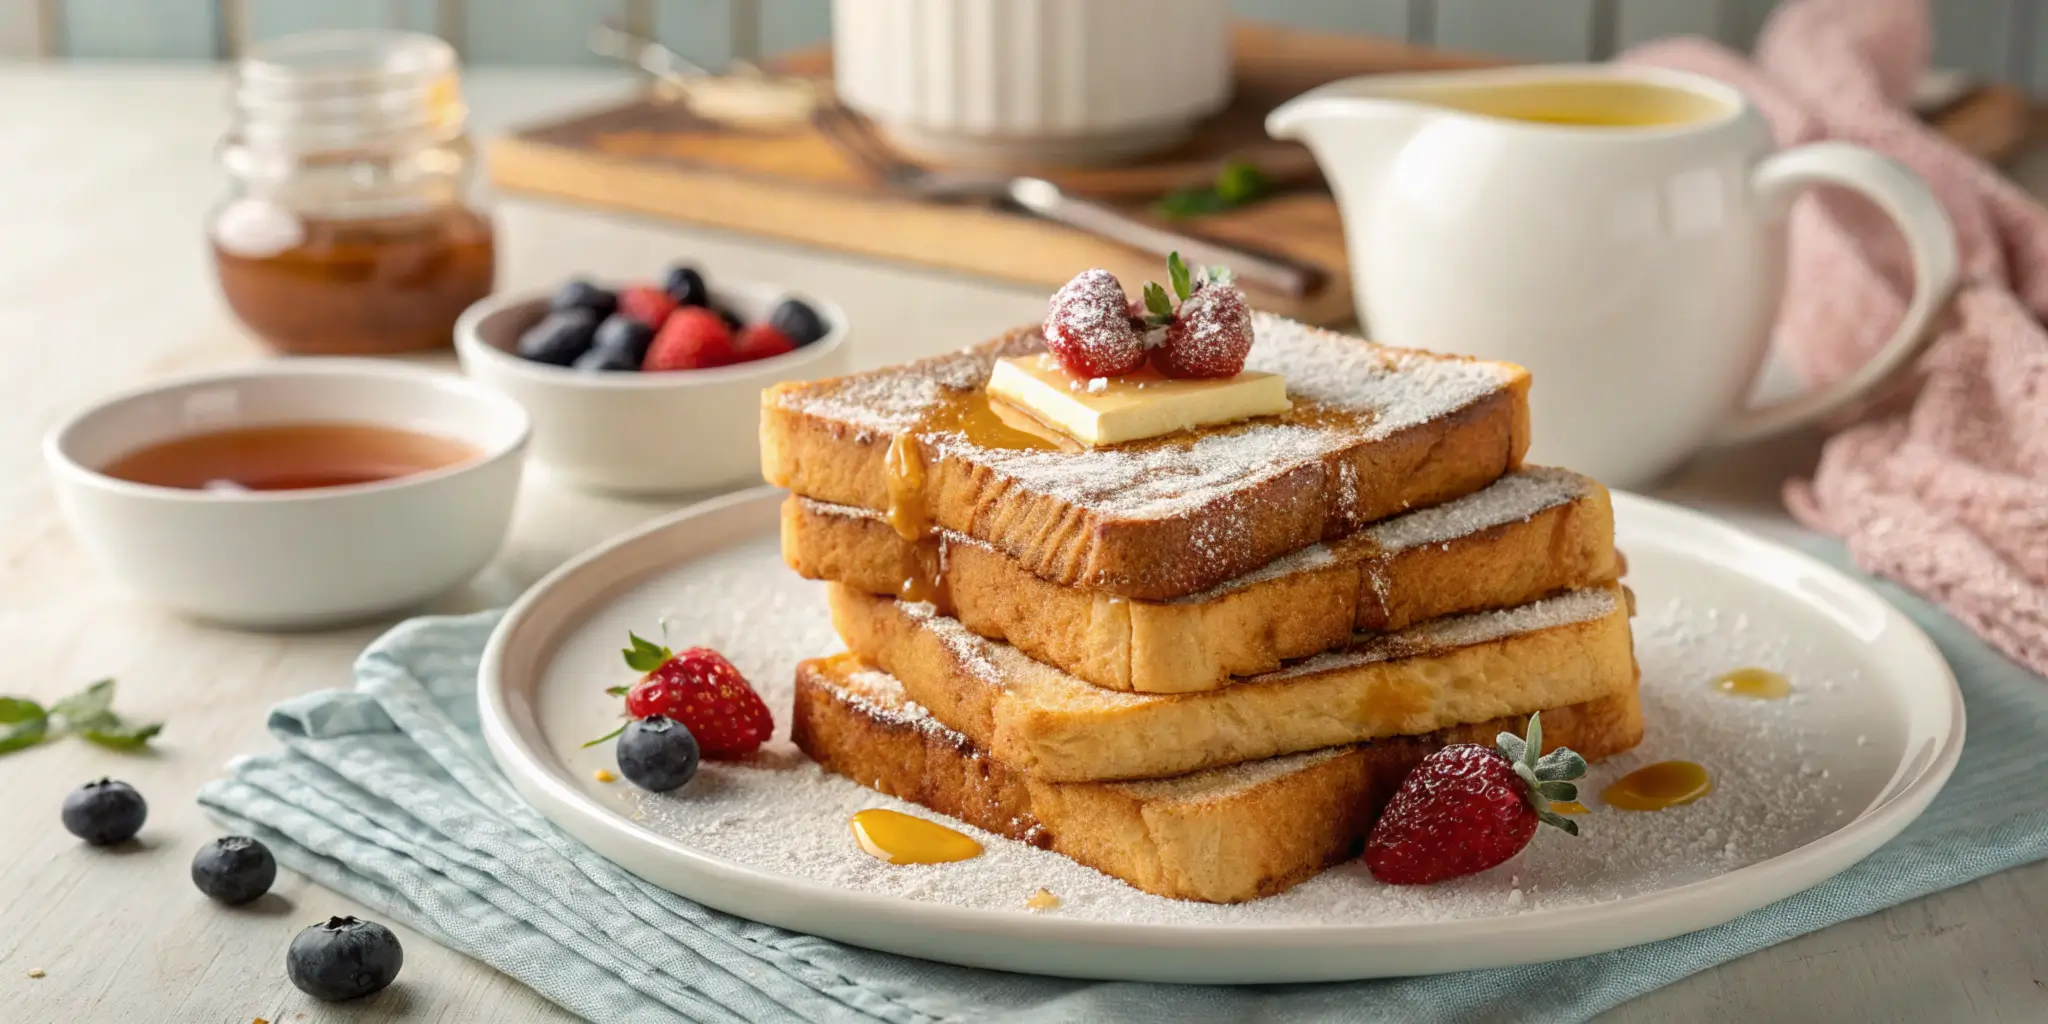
(645, 433)
(1032, 82)
(294, 559)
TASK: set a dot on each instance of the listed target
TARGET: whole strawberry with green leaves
(701, 689)
(1467, 808)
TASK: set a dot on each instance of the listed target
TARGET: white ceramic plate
(1805, 787)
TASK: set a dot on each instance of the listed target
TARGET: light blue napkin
(387, 794)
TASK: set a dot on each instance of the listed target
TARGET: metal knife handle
(1047, 200)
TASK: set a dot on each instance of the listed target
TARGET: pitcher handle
(1904, 198)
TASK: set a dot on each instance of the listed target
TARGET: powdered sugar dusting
(1516, 496)
(783, 815)
(1512, 497)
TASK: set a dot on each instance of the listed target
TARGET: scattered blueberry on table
(234, 869)
(657, 753)
(105, 812)
(649, 328)
(343, 958)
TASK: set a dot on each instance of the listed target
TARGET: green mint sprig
(88, 714)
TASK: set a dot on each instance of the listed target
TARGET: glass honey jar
(349, 228)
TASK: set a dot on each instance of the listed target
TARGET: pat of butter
(1135, 407)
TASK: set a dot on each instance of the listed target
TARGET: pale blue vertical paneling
(1973, 35)
(1640, 21)
(534, 31)
(1376, 17)
(141, 29)
(790, 24)
(700, 30)
(1524, 29)
(268, 19)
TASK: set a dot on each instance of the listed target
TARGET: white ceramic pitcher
(1619, 231)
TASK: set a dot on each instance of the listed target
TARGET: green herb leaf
(614, 734)
(645, 655)
(1181, 204)
(119, 735)
(23, 723)
(1240, 182)
(617, 691)
(94, 700)
(1183, 286)
(1156, 301)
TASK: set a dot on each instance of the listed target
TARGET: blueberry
(104, 812)
(797, 319)
(581, 294)
(732, 319)
(234, 869)
(560, 338)
(657, 753)
(686, 286)
(621, 344)
(343, 958)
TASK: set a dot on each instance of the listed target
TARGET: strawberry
(1088, 327)
(761, 341)
(1210, 336)
(702, 690)
(1467, 808)
(694, 338)
(647, 303)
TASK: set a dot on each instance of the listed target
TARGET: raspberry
(761, 341)
(694, 338)
(1088, 327)
(1210, 336)
(1467, 808)
(702, 690)
(648, 304)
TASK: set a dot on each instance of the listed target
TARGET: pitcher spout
(1354, 130)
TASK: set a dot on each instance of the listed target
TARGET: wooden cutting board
(653, 156)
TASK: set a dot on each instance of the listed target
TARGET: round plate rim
(921, 929)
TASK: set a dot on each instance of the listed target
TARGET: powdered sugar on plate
(1770, 760)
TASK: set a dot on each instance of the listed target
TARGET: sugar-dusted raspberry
(1210, 336)
(1088, 327)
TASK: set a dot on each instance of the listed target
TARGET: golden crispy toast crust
(1562, 650)
(1223, 835)
(1374, 431)
(1530, 534)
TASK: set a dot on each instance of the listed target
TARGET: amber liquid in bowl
(288, 457)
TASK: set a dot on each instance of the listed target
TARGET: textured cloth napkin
(387, 794)
(1947, 494)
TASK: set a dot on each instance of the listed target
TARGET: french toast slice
(1223, 835)
(1373, 431)
(1532, 533)
(1561, 650)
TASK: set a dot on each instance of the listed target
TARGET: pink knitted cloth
(1947, 494)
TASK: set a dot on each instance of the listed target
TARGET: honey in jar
(349, 230)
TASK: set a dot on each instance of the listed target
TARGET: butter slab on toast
(1223, 835)
(1530, 534)
(1567, 649)
(1374, 431)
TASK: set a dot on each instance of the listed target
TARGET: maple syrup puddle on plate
(1568, 807)
(1655, 787)
(906, 839)
(1042, 900)
(1754, 683)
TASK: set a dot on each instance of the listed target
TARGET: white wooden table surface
(105, 176)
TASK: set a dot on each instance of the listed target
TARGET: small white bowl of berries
(650, 387)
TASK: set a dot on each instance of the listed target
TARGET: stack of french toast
(1187, 635)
